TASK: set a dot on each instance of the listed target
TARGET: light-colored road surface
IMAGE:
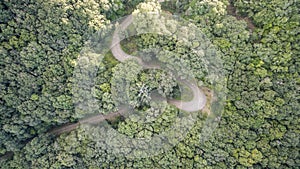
(94, 119)
(116, 48)
(199, 99)
(197, 103)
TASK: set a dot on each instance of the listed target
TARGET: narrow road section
(199, 99)
(197, 103)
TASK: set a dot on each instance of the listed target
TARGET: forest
(70, 99)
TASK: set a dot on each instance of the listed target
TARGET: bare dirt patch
(231, 10)
(209, 98)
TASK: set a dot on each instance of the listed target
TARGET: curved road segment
(199, 99)
(197, 103)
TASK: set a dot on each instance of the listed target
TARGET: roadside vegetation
(258, 42)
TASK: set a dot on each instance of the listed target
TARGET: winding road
(197, 103)
(199, 99)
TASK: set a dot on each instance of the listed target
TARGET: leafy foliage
(40, 42)
(259, 127)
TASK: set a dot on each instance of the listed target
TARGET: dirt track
(197, 103)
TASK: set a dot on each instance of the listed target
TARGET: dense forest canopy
(40, 47)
